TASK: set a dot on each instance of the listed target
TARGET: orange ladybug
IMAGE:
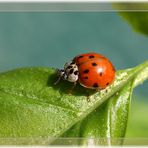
(91, 70)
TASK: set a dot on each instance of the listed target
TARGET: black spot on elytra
(69, 67)
(86, 71)
(107, 83)
(101, 73)
(91, 56)
(94, 64)
(80, 57)
(76, 72)
(95, 85)
(86, 77)
(71, 71)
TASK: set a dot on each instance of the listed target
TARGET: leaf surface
(31, 106)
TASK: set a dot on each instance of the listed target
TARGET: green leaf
(107, 124)
(109, 121)
(31, 106)
(138, 18)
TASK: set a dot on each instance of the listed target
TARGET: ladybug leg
(99, 89)
(88, 98)
(70, 91)
(57, 81)
(61, 74)
(88, 95)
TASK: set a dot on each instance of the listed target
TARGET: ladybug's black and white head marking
(70, 72)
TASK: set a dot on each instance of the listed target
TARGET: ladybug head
(69, 73)
(62, 74)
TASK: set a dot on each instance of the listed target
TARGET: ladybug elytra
(91, 70)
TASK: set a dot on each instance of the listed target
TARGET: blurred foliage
(136, 14)
(138, 121)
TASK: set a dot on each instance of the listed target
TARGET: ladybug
(91, 70)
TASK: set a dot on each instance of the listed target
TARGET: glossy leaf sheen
(109, 120)
(31, 106)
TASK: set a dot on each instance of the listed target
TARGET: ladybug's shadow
(64, 87)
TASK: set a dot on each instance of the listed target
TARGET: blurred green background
(52, 38)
